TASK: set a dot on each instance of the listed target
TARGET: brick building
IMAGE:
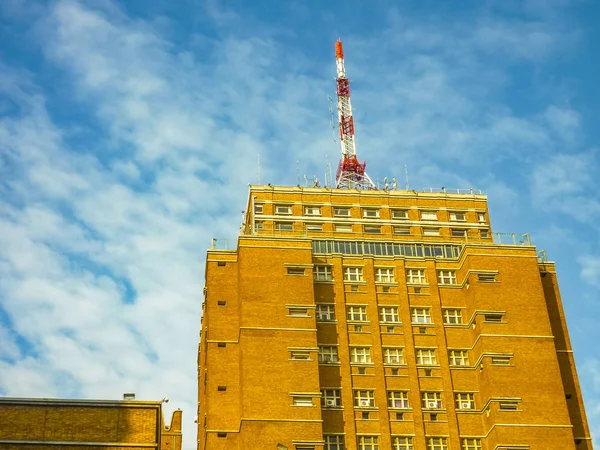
(48, 424)
(378, 320)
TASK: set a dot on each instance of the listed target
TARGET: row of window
(325, 312)
(368, 229)
(370, 213)
(387, 275)
(336, 442)
(395, 356)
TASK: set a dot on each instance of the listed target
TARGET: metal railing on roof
(223, 244)
(444, 190)
(511, 238)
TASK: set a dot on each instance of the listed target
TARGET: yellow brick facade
(383, 320)
(86, 424)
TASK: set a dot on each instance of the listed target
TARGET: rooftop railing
(444, 190)
(511, 238)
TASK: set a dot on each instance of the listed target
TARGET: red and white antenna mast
(351, 173)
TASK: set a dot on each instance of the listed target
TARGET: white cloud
(590, 269)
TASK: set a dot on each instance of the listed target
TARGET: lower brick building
(50, 424)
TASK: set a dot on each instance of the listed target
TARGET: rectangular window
(353, 274)
(483, 233)
(370, 229)
(458, 233)
(393, 355)
(328, 354)
(384, 275)
(341, 212)
(402, 443)
(486, 277)
(437, 443)
(371, 213)
(431, 400)
(481, 217)
(446, 276)
(501, 360)
(496, 318)
(426, 357)
(465, 400)
(312, 211)
(284, 226)
(429, 215)
(431, 231)
(296, 271)
(509, 405)
(453, 316)
(333, 442)
(458, 357)
(420, 315)
(398, 399)
(283, 210)
(300, 355)
(471, 444)
(302, 401)
(322, 273)
(331, 398)
(325, 313)
(389, 314)
(400, 214)
(314, 227)
(458, 217)
(259, 225)
(402, 230)
(258, 208)
(357, 313)
(368, 443)
(415, 276)
(343, 228)
(298, 312)
(360, 355)
(364, 399)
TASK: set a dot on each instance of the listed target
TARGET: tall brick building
(378, 320)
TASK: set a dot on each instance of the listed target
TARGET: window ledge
(324, 281)
(386, 283)
(390, 324)
(327, 321)
(355, 282)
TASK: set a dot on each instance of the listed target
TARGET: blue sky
(130, 130)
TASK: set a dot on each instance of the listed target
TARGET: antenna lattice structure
(351, 173)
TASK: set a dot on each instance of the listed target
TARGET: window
(431, 400)
(343, 228)
(368, 443)
(389, 314)
(509, 405)
(393, 355)
(497, 318)
(333, 442)
(258, 208)
(465, 400)
(431, 231)
(384, 275)
(221, 388)
(259, 225)
(296, 270)
(370, 229)
(302, 401)
(402, 443)
(446, 276)
(471, 444)
(420, 315)
(501, 360)
(428, 215)
(437, 443)
(426, 356)
(402, 230)
(360, 355)
(325, 313)
(486, 277)
(328, 354)
(480, 217)
(341, 212)
(283, 210)
(284, 226)
(458, 217)
(357, 313)
(458, 357)
(459, 233)
(314, 227)
(398, 399)
(371, 213)
(322, 273)
(221, 435)
(452, 316)
(297, 311)
(364, 399)
(312, 211)
(331, 398)
(483, 233)
(300, 355)
(353, 274)
(221, 302)
(415, 276)
(400, 214)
